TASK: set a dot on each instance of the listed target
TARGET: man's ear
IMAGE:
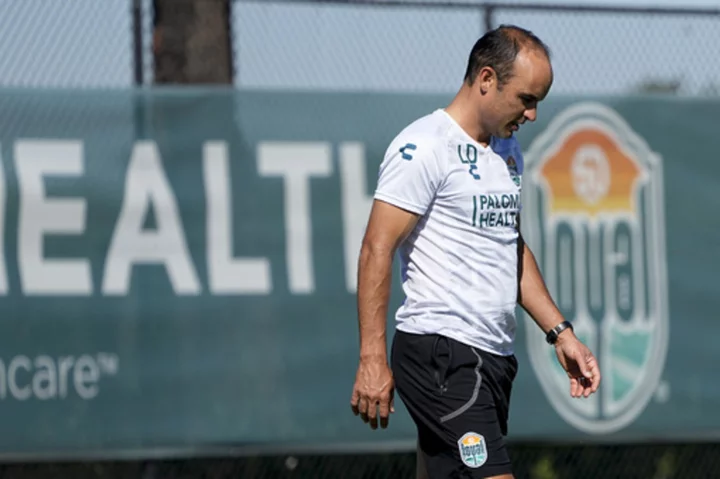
(486, 79)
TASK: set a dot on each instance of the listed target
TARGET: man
(448, 197)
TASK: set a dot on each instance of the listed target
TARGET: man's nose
(531, 115)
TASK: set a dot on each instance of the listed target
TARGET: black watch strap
(552, 335)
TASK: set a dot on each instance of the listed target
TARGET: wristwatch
(552, 335)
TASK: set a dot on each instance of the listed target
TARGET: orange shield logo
(593, 216)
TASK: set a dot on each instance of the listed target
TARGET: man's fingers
(372, 413)
(363, 408)
(373, 422)
(354, 401)
(590, 379)
(579, 387)
(586, 386)
(376, 412)
(594, 373)
(384, 408)
(586, 366)
(362, 405)
(573, 387)
(372, 408)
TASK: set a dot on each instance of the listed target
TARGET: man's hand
(373, 391)
(579, 363)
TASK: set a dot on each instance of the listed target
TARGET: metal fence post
(489, 10)
(138, 41)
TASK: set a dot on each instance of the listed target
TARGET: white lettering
(21, 393)
(86, 375)
(3, 380)
(39, 216)
(45, 379)
(227, 275)
(296, 163)
(65, 364)
(147, 185)
(52, 378)
(356, 206)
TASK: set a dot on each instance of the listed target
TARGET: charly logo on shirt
(593, 215)
(404, 151)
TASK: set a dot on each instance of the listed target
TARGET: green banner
(178, 268)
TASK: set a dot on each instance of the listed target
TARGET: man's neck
(467, 117)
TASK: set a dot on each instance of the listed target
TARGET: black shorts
(458, 397)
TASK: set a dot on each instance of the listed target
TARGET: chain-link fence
(71, 43)
(607, 51)
(409, 46)
(361, 45)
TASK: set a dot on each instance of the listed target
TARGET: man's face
(510, 105)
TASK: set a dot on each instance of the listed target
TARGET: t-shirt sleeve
(410, 175)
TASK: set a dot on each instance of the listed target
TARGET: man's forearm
(374, 279)
(534, 296)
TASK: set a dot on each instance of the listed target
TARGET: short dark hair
(498, 49)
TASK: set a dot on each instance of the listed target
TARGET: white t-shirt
(459, 265)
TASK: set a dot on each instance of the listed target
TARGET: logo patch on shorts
(473, 450)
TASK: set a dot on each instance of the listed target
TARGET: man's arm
(387, 227)
(533, 294)
(575, 358)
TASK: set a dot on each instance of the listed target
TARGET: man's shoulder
(427, 134)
